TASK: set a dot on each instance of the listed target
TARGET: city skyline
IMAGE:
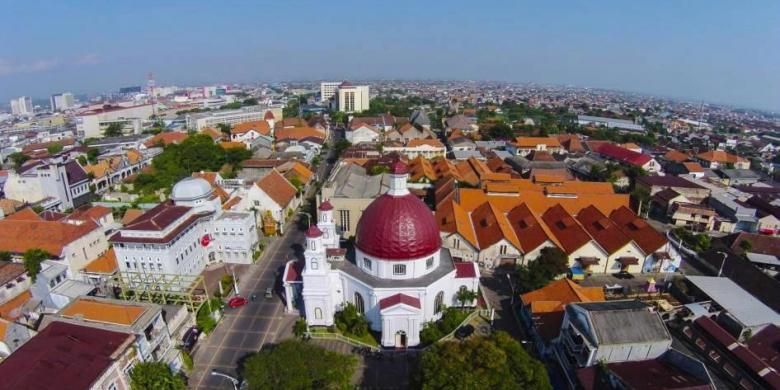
(683, 51)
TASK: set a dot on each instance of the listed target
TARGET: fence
(335, 336)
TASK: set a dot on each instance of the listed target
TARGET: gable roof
(676, 156)
(166, 138)
(720, 156)
(260, 126)
(491, 226)
(645, 236)
(532, 142)
(398, 299)
(602, 229)
(105, 264)
(131, 215)
(17, 236)
(277, 188)
(623, 322)
(453, 219)
(570, 235)
(529, 230)
(624, 155)
(299, 134)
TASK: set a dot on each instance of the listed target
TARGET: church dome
(191, 188)
(398, 228)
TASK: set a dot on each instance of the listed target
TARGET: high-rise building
(352, 98)
(61, 101)
(328, 89)
(22, 106)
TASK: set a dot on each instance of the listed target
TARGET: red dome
(326, 206)
(313, 232)
(397, 228)
(399, 168)
(268, 115)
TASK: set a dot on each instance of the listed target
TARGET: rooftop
(746, 308)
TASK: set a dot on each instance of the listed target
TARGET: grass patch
(205, 321)
(433, 331)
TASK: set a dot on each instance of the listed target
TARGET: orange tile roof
(232, 145)
(260, 126)
(676, 156)
(232, 202)
(693, 167)
(208, 176)
(18, 236)
(453, 219)
(100, 169)
(297, 169)
(556, 295)
(25, 214)
(130, 215)
(298, 133)
(425, 142)
(105, 264)
(3, 328)
(720, 156)
(8, 310)
(531, 142)
(213, 133)
(100, 311)
(491, 225)
(90, 213)
(277, 188)
(173, 137)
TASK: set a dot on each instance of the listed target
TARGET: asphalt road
(245, 330)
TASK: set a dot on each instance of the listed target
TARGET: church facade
(398, 275)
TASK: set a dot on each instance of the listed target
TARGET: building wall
(491, 256)
(361, 134)
(234, 240)
(458, 246)
(629, 250)
(85, 249)
(353, 99)
(590, 249)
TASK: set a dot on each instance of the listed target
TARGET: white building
(61, 101)
(53, 183)
(352, 98)
(22, 106)
(182, 236)
(362, 133)
(92, 123)
(400, 277)
(200, 121)
(427, 148)
(328, 89)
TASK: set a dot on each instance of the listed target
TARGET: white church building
(182, 235)
(398, 276)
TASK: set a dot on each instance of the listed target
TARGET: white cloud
(9, 68)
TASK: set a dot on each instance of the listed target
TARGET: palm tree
(465, 295)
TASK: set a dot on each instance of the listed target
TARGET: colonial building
(399, 276)
(54, 183)
(182, 235)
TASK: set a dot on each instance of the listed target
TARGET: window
(317, 313)
(502, 249)
(429, 263)
(315, 265)
(438, 303)
(313, 245)
(344, 220)
(456, 243)
(359, 304)
(399, 269)
(367, 263)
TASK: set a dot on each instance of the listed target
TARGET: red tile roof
(398, 299)
(18, 236)
(528, 230)
(602, 229)
(465, 270)
(569, 233)
(294, 272)
(645, 236)
(63, 356)
(277, 188)
(623, 155)
(158, 218)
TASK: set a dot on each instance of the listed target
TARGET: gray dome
(191, 188)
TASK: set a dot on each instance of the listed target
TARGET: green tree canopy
(155, 375)
(18, 159)
(294, 364)
(250, 102)
(550, 263)
(5, 256)
(113, 130)
(224, 128)
(495, 362)
(32, 260)
(54, 148)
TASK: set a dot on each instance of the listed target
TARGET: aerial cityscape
(455, 196)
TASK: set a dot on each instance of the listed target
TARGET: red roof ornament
(313, 232)
(268, 116)
(398, 228)
(326, 206)
(399, 168)
(205, 240)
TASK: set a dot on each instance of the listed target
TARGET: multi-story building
(199, 121)
(70, 356)
(92, 123)
(22, 106)
(427, 148)
(61, 101)
(328, 89)
(182, 235)
(54, 183)
(352, 98)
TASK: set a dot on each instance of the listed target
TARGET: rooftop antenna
(150, 89)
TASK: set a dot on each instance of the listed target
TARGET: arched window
(317, 313)
(438, 303)
(359, 303)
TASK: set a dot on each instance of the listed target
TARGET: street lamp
(722, 263)
(236, 383)
(512, 287)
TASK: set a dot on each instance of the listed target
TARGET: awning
(586, 261)
(662, 256)
(628, 260)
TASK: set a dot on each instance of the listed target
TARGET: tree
(54, 148)
(250, 102)
(348, 320)
(18, 159)
(155, 375)
(92, 155)
(339, 118)
(465, 295)
(495, 362)
(300, 328)
(746, 246)
(224, 128)
(293, 364)
(32, 260)
(642, 197)
(5, 256)
(550, 263)
(113, 130)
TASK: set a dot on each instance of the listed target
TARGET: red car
(236, 301)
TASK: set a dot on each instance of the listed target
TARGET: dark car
(464, 331)
(190, 338)
(236, 301)
(623, 275)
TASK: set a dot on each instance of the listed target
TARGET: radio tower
(150, 90)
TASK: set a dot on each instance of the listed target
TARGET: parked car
(623, 275)
(236, 301)
(190, 338)
(269, 292)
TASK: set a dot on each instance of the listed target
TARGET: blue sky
(719, 51)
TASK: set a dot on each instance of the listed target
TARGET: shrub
(349, 320)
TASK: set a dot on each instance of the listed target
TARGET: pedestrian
(254, 296)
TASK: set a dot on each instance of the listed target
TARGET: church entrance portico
(400, 339)
(401, 321)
